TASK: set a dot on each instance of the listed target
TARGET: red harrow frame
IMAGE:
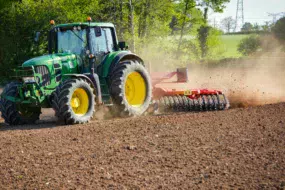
(182, 98)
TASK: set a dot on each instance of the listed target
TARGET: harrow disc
(211, 102)
(186, 104)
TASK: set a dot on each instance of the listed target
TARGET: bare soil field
(238, 148)
(241, 148)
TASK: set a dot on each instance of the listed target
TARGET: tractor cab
(89, 41)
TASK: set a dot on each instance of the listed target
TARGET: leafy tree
(196, 11)
(249, 45)
(186, 18)
(279, 29)
(173, 24)
(204, 31)
(216, 5)
(7, 3)
(247, 27)
(256, 27)
(266, 27)
(214, 43)
(138, 21)
(153, 17)
(228, 23)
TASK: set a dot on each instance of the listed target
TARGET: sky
(255, 11)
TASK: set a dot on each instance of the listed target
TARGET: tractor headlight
(29, 79)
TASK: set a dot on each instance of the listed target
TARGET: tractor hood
(49, 59)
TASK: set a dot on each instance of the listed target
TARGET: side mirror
(37, 37)
(98, 31)
(123, 45)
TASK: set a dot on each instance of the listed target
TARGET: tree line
(229, 24)
(139, 22)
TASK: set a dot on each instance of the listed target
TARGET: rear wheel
(74, 101)
(17, 114)
(130, 88)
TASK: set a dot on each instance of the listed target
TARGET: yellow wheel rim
(79, 102)
(135, 89)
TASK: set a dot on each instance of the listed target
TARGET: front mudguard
(31, 100)
(23, 97)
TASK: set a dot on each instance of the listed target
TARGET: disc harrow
(181, 103)
(182, 99)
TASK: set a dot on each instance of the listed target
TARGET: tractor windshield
(71, 41)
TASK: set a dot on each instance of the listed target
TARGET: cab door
(101, 45)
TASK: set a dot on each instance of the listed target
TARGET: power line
(275, 16)
(239, 15)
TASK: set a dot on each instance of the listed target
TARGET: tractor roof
(92, 24)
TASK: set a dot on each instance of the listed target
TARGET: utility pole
(275, 16)
(239, 15)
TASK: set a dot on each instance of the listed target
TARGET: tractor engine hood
(51, 59)
(66, 63)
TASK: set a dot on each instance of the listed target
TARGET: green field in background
(226, 49)
(230, 44)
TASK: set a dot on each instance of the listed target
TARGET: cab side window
(104, 43)
(98, 44)
(110, 41)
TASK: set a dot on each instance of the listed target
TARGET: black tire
(17, 114)
(118, 78)
(62, 98)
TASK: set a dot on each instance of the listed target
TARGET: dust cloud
(256, 80)
(253, 81)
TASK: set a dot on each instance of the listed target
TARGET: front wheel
(130, 88)
(74, 101)
(17, 114)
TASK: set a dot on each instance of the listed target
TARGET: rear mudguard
(113, 59)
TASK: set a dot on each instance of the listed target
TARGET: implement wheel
(74, 101)
(17, 114)
(130, 88)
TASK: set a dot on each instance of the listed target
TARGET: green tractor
(86, 67)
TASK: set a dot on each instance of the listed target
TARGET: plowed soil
(238, 148)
